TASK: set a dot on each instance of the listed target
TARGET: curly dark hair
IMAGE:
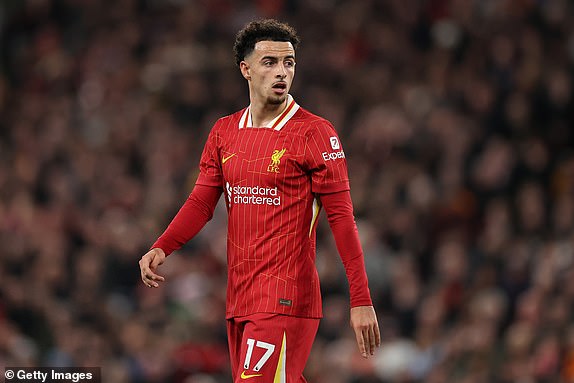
(262, 30)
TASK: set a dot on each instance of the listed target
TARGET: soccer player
(276, 164)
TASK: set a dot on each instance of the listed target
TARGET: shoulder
(312, 124)
(228, 122)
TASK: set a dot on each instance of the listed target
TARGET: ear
(245, 70)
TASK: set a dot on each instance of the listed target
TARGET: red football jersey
(270, 176)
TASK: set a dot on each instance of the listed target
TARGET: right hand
(148, 265)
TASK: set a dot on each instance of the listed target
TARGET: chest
(262, 156)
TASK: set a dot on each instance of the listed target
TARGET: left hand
(364, 322)
(148, 267)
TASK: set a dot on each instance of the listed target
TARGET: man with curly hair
(277, 164)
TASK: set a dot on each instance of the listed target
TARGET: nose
(282, 73)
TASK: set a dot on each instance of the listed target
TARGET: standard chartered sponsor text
(254, 195)
(256, 200)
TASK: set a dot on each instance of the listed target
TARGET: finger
(157, 277)
(151, 280)
(156, 261)
(377, 335)
(372, 339)
(361, 342)
(367, 341)
(147, 280)
(146, 269)
(148, 276)
(153, 276)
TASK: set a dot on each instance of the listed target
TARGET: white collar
(278, 122)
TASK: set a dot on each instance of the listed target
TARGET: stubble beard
(276, 100)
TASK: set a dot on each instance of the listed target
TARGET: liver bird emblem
(276, 160)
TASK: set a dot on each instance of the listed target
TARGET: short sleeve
(325, 159)
(210, 173)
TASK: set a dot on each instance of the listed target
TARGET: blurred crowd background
(457, 120)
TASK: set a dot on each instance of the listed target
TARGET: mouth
(279, 87)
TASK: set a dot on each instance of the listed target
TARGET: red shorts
(272, 348)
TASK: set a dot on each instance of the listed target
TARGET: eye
(267, 63)
(289, 63)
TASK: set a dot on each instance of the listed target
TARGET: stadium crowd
(457, 121)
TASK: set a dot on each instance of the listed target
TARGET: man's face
(270, 69)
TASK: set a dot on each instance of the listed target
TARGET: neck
(264, 113)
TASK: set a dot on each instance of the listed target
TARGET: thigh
(234, 339)
(274, 348)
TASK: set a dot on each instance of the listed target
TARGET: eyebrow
(275, 57)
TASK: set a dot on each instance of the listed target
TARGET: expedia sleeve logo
(335, 145)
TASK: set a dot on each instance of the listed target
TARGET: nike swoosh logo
(224, 159)
(245, 376)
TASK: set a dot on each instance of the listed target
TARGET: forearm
(339, 209)
(190, 219)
